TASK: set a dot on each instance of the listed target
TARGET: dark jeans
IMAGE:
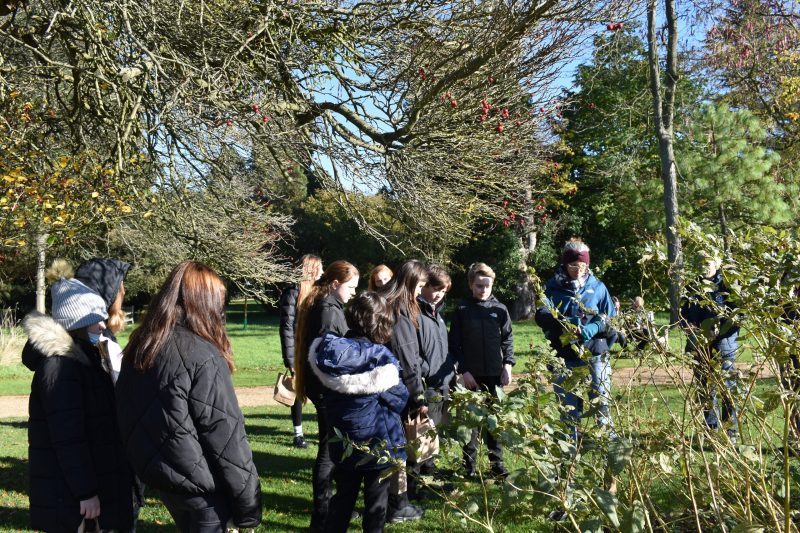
(723, 351)
(322, 472)
(297, 413)
(489, 383)
(376, 496)
(197, 514)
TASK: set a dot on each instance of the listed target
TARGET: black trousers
(376, 496)
(198, 514)
(297, 413)
(322, 472)
(489, 383)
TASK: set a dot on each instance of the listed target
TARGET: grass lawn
(285, 480)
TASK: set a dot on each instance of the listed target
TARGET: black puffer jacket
(288, 307)
(325, 316)
(436, 365)
(74, 449)
(405, 345)
(182, 428)
(481, 340)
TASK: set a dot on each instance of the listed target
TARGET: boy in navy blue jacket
(482, 344)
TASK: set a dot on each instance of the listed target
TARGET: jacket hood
(353, 366)
(490, 300)
(48, 339)
(103, 276)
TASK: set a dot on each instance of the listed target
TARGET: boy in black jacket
(482, 344)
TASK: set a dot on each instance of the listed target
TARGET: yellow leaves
(793, 116)
(126, 209)
(14, 94)
(63, 161)
(95, 194)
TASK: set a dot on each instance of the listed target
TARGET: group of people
(105, 422)
(387, 357)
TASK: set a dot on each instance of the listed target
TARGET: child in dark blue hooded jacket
(364, 397)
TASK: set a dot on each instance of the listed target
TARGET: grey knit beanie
(75, 305)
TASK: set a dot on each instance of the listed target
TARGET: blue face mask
(94, 338)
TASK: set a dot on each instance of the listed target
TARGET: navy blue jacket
(364, 397)
(564, 300)
(436, 365)
(694, 313)
(480, 339)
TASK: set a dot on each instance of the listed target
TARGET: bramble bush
(664, 469)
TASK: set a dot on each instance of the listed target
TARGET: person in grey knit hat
(75, 305)
(77, 468)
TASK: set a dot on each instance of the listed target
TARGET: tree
(728, 172)
(664, 115)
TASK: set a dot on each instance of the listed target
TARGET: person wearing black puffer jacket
(76, 465)
(322, 312)
(482, 343)
(291, 299)
(180, 422)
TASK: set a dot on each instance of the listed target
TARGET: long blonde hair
(312, 266)
(340, 271)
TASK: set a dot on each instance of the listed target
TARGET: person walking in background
(436, 365)
(363, 396)
(77, 467)
(321, 312)
(179, 418)
(291, 299)
(575, 296)
(380, 276)
(401, 294)
(722, 348)
(482, 343)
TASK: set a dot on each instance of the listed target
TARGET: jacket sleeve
(405, 347)
(395, 398)
(507, 340)
(550, 325)
(288, 308)
(62, 401)
(454, 340)
(220, 430)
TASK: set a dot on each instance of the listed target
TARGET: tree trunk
(525, 304)
(663, 111)
(41, 258)
(723, 226)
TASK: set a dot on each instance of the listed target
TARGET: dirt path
(17, 406)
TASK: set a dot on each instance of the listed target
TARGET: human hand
(90, 508)
(422, 410)
(469, 381)
(505, 375)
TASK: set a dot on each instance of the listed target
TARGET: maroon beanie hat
(570, 256)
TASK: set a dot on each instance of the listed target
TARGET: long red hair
(193, 296)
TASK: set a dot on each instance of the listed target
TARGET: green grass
(285, 480)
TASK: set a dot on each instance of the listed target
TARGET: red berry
(255, 108)
(453, 102)
(504, 112)
(265, 118)
(499, 128)
(229, 123)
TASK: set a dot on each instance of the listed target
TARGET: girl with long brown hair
(401, 294)
(291, 300)
(180, 422)
(322, 312)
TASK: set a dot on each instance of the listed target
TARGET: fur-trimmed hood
(48, 339)
(353, 366)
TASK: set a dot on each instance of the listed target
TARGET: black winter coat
(325, 316)
(436, 365)
(288, 307)
(74, 449)
(182, 428)
(405, 345)
(694, 313)
(481, 340)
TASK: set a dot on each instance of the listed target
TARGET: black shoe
(405, 514)
(499, 471)
(300, 442)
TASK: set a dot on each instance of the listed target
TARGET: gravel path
(17, 406)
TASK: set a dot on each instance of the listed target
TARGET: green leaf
(471, 508)
(463, 434)
(748, 528)
(592, 525)
(619, 455)
(608, 503)
(665, 463)
(635, 518)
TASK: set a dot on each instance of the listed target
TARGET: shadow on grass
(16, 424)
(14, 519)
(13, 475)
